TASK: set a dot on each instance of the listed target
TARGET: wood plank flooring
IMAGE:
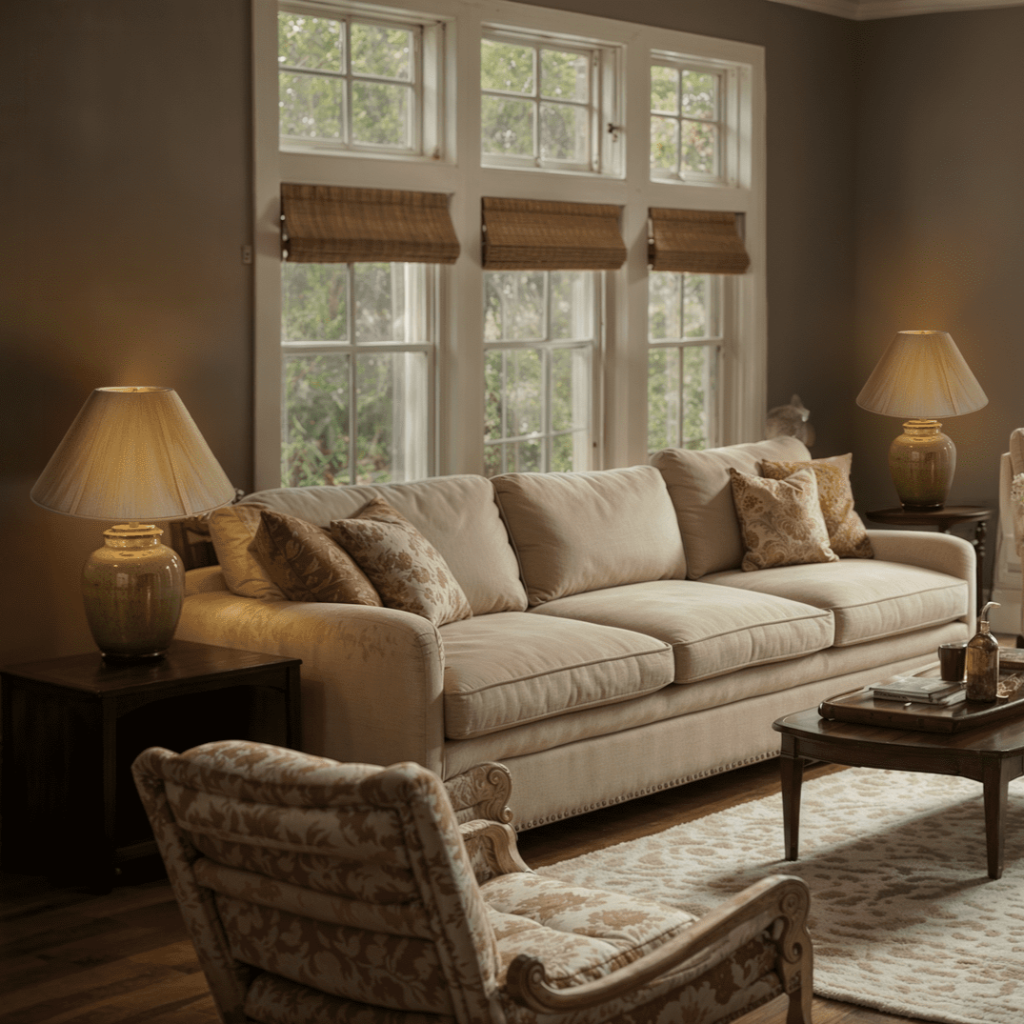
(70, 957)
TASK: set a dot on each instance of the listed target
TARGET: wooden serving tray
(862, 706)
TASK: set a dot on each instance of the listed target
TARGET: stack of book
(920, 689)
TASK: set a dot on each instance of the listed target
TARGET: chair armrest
(372, 678)
(492, 849)
(482, 791)
(779, 900)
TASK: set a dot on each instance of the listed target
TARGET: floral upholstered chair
(323, 892)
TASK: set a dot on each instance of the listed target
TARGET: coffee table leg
(995, 779)
(792, 771)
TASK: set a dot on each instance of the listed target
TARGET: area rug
(904, 917)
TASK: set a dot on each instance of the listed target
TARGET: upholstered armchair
(1008, 580)
(323, 892)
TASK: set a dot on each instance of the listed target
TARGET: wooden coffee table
(991, 754)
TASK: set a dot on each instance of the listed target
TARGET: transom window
(349, 83)
(686, 122)
(540, 339)
(357, 372)
(685, 341)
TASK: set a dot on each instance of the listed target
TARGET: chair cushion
(868, 599)
(698, 484)
(507, 669)
(710, 635)
(585, 531)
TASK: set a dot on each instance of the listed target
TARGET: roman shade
(533, 234)
(329, 224)
(695, 242)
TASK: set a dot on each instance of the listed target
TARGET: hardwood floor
(70, 957)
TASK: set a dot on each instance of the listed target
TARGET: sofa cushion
(710, 634)
(585, 531)
(868, 599)
(401, 563)
(513, 667)
(698, 485)
(780, 520)
(457, 514)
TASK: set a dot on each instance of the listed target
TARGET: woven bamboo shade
(531, 234)
(696, 242)
(328, 224)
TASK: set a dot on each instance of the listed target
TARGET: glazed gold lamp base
(133, 589)
(922, 461)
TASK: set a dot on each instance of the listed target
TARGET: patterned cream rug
(904, 917)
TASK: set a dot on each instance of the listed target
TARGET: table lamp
(920, 377)
(135, 454)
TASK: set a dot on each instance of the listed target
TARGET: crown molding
(866, 10)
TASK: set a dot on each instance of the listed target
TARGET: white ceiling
(863, 10)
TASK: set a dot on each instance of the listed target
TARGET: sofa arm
(372, 678)
(941, 552)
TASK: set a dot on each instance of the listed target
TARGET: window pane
(664, 144)
(494, 391)
(381, 114)
(523, 385)
(700, 95)
(526, 457)
(699, 147)
(665, 89)
(572, 304)
(698, 309)
(314, 301)
(514, 305)
(662, 398)
(664, 306)
(570, 388)
(315, 420)
(564, 76)
(391, 417)
(564, 132)
(505, 67)
(699, 363)
(507, 126)
(313, 43)
(382, 52)
(379, 302)
(310, 106)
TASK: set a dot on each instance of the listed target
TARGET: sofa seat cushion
(868, 599)
(512, 667)
(710, 634)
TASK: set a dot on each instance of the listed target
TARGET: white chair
(1008, 579)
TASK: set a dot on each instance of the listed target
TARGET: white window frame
(620, 402)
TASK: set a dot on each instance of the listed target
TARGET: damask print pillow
(846, 534)
(407, 570)
(306, 564)
(780, 520)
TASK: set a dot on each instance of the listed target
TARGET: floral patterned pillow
(407, 570)
(306, 564)
(846, 534)
(780, 520)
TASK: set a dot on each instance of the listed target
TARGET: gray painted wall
(126, 163)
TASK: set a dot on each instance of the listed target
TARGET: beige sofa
(615, 646)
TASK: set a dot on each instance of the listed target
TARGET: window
(539, 332)
(356, 372)
(687, 102)
(685, 335)
(541, 103)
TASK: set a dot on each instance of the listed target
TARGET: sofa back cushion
(585, 531)
(701, 492)
(456, 514)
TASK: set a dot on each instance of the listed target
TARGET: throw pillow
(232, 529)
(407, 570)
(846, 534)
(780, 520)
(306, 564)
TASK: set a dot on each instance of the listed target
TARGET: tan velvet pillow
(406, 569)
(846, 534)
(232, 529)
(780, 520)
(306, 564)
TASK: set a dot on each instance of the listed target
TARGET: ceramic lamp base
(921, 462)
(133, 588)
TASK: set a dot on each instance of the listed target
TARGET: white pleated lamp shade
(922, 375)
(133, 454)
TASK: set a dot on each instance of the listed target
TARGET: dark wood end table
(944, 519)
(73, 726)
(992, 755)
